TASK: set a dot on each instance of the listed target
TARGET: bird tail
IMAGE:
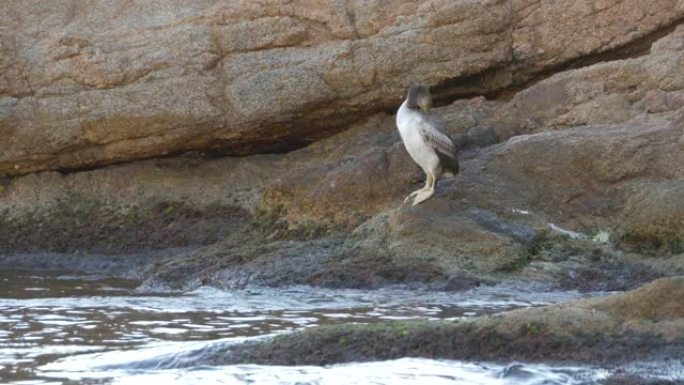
(450, 164)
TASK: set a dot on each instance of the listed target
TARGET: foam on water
(208, 299)
(404, 371)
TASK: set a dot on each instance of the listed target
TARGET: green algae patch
(481, 339)
(641, 324)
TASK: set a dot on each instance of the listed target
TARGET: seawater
(68, 329)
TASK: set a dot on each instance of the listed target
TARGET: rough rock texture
(643, 324)
(85, 84)
(539, 197)
(600, 128)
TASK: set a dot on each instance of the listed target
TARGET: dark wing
(441, 142)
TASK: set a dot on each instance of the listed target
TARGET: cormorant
(427, 143)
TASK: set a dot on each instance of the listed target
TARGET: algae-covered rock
(640, 324)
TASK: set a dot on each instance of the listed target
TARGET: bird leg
(427, 192)
(427, 187)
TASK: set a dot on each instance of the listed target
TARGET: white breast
(408, 123)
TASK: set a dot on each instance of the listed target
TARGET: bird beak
(425, 107)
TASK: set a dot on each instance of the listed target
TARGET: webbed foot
(411, 195)
(422, 196)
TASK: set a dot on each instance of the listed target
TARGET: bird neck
(411, 101)
(406, 108)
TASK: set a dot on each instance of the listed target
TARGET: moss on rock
(81, 224)
(643, 323)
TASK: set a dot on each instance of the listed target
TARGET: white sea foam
(568, 233)
(405, 371)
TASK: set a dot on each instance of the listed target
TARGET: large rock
(610, 179)
(537, 198)
(86, 85)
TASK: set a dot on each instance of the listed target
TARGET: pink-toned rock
(90, 84)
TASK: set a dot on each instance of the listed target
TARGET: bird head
(419, 97)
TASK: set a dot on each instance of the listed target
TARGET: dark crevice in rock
(64, 171)
(502, 83)
(217, 148)
(211, 150)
